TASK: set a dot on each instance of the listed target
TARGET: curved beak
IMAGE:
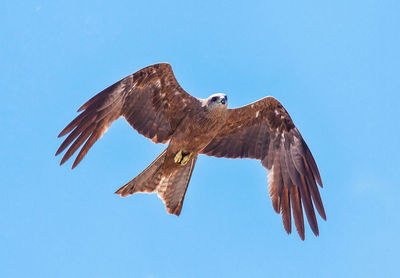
(222, 101)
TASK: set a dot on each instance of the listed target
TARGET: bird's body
(201, 125)
(153, 103)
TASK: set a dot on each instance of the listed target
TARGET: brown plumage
(154, 104)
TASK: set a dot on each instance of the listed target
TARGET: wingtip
(301, 234)
(61, 134)
(321, 212)
(58, 151)
(76, 162)
(276, 206)
(65, 131)
(64, 159)
(287, 227)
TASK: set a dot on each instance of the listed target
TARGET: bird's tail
(147, 180)
(171, 187)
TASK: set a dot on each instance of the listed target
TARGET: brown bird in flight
(153, 103)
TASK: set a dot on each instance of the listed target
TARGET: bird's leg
(186, 158)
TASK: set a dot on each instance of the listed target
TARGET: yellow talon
(186, 158)
(182, 158)
(178, 157)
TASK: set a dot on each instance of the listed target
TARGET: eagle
(152, 102)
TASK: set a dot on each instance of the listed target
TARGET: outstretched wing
(264, 130)
(151, 100)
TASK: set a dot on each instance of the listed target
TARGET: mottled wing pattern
(151, 100)
(264, 130)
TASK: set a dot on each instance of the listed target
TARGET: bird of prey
(152, 102)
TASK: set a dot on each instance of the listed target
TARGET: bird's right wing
(151, 100)
(264, 130)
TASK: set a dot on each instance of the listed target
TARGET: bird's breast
(196, 131)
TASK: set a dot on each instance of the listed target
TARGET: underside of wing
(264, 130)
(151, 100)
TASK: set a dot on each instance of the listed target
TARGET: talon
(186, 158)
(178, 157)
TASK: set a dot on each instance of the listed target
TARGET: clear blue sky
(334, 65)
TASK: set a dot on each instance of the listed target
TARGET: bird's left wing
(151, 100)
(264, 130)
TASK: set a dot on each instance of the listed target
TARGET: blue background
(335, 67)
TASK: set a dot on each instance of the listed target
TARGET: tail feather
(171, 187)
(147, 180)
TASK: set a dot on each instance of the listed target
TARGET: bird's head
(217, 100)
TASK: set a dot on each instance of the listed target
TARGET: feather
(281, 148)
(297, 211)
(276, 184)
(83, 125)
(308, 207)
(147, 181)
(172, 188)
(285, 210)
(133, 98)
(78, 142)
(74, 123)
(88, 144)
(314, 192)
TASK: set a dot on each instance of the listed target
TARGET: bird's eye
(214, 99)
